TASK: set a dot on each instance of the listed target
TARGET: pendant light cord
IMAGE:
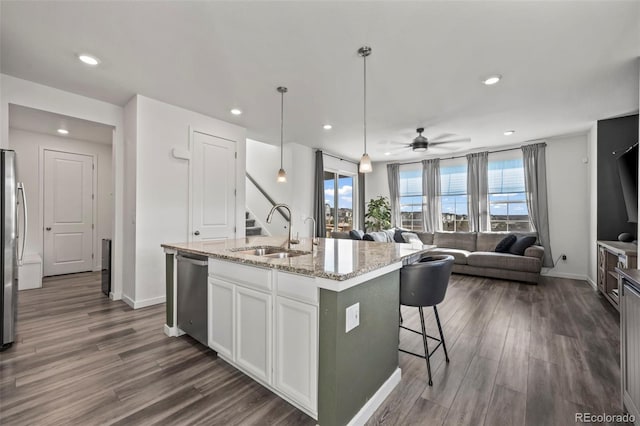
(281, 128)
(365, 103)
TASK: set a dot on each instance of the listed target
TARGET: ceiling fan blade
(451, 141)
(441, 136)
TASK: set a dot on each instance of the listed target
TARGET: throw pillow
(380, 237)
(397, 235)
(521, 244)
(505, 244)
(411, 238)
(367, 237)
(356, 234)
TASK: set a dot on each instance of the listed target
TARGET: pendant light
(282, 175)
(365, 161)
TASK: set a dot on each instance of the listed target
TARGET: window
(507, 197)
(453, 197)
(411, 198)
(338, 207)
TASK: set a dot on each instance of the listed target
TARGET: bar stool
(424, 284)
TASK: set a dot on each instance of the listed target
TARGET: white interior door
(213, 190)
(68, 213)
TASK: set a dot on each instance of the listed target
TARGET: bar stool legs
(426, 346)
(425, 336)
(444, 345)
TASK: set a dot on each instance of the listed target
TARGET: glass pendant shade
(365, 164)
(282, 176)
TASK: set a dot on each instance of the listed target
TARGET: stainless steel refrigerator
(12, 202)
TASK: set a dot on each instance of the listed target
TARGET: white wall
(129, 200)
(161, 186)
(592, 155)
(27, 146)
(568, 197)
(263, 162)
(569, 204)
(32, 95)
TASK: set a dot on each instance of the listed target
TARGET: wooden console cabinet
(612, 255)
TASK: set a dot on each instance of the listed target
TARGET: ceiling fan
(421, 143)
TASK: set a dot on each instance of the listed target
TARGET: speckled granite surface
(332, 259)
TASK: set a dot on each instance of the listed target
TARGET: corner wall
(592, 155)
(161, 212)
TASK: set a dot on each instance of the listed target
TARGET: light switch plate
(353, 317)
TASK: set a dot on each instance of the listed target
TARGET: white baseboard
(172, 331)
(115, 296)
(377, 399)
(556, 274)
(593, 283)
(137, 304)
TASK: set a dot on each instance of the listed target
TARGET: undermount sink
(272, 252)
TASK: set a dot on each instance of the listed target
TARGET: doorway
(69, 223)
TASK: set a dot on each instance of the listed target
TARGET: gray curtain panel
(535, 183)
(478, 191)
(318, 199)
(393, 174)
(431, 210)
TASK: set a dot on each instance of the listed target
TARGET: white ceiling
(35, 120)
(565, 64)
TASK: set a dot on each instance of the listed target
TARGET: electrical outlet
(564, 257)
(352, 317)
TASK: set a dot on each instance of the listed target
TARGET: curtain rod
(336, 157)
(462, 156)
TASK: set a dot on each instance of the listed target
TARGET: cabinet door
(253, 338)
(221, 317)
(296, 369)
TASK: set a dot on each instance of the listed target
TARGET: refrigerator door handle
(24, 211)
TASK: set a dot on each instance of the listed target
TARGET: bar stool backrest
(425, 282)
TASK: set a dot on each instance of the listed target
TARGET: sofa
(474, 253)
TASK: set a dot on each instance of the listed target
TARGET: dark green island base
(354, 365)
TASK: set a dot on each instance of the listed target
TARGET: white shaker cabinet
(253, 332)
(221, 317)
(296, 366)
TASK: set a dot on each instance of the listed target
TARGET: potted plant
(378, 216)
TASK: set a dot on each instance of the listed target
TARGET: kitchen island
(316, 324)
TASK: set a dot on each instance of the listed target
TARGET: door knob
(196, 233)
(48, 228)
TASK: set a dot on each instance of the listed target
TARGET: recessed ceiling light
(492, 79)
(63, 131)
(236, 111)
(509, 132)
(387, 153)
(327, 127)
(88, 59)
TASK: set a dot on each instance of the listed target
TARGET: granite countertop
(334, 259)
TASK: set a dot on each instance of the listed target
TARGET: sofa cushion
(487, 241)
(380, 237)
(356, 234)
(397, 235)
(411, 238)
(459, 256)
(456, 240)
(512, 262)
(505, 244)
(425, 237)
(521, 244)
(389, 233)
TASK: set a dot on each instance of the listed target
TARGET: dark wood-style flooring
(520, 355)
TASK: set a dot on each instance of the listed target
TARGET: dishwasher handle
(193, 261)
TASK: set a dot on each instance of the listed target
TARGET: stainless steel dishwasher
(192, 296)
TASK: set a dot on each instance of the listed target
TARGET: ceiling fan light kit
(365, 161)
(282, 175)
